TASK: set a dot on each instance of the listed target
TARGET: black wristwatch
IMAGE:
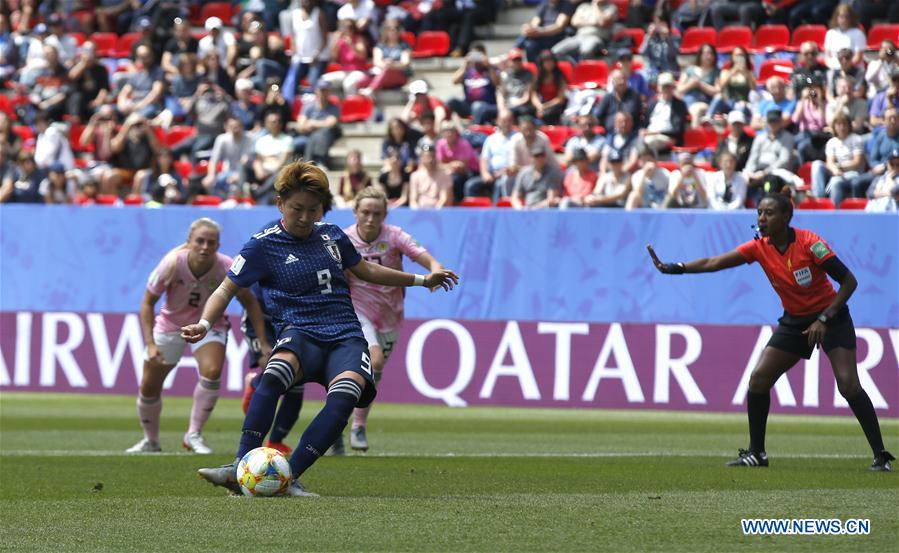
(823, 318)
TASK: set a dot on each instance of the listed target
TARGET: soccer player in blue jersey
(299, 264)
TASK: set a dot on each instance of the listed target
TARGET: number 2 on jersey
(324, 279)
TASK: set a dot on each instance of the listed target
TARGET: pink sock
(206, 393)
(148, 411)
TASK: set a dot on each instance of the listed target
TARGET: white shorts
(171, 344)
(383, 340)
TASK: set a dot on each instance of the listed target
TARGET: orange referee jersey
(796, 274)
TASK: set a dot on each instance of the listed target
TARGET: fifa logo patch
(803, 277)
(820, 250)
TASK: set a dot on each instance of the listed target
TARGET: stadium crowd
(601, 103)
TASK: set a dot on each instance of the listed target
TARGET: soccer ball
(263, 472)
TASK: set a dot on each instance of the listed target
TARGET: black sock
(863, 409)
(757, 406)
(274, 382)
(288, 413)
(343, 396)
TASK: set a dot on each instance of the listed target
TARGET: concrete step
(516, 15)
(498, 30)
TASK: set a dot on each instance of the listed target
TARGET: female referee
(797, 262)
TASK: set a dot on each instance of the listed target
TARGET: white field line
(484, 455)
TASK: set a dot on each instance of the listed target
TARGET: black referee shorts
(789, 337)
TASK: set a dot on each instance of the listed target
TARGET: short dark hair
(784, 203)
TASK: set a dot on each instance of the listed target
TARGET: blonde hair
(370, 193)
(304, 175)
(170, 256)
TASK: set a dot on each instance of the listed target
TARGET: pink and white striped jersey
(185, 294)
(382, 305)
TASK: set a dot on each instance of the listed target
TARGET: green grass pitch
(440, 479)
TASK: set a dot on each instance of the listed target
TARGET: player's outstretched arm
(428, 261)
(379, 274)
(212, 312)
(254, 314)
(705, 265)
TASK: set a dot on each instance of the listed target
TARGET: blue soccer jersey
(302, 281)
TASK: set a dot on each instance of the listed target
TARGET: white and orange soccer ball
(263, 472)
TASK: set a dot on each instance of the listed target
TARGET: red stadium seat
(6, 106)
(177, 134)
(483, 129)
(106, 44)
(222, 10)
(124, 44)
(854, 203)
(637, 35)
(622, 6)
(75, 133)
(184, 168)
(530, 66)
(431, 44)
(409, 38)
(296, 108)
(209, 201)
(733, 36)
(695, 37)
(133, 199)
(805, 33)
(557, 135)
(24, 132)
(884, 31)
(106, 199)
(775, 68)
(669, 165)
(805, 173)
(79, 38)
(356, 108)
(771, 38)
(591, 71)
(698, 139)
(475, 201)
(817, 203)
(566, 69)
(504, 202)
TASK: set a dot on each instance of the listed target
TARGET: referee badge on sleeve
(803, 277)
(820, 249)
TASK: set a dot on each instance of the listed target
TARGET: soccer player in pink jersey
(187, 275)
(379, 308)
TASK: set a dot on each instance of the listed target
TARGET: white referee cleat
(193, 441)
(145, 446)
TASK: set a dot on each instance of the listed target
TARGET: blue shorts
(250, 334)
(321, 362)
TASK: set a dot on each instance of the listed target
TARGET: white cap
(243, 84)
(213, 23)
(418, 87)
(736, 117)
(666, 79)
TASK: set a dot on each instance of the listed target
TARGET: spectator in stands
(883, 100)
(691, 14)
(430, 186)
(392, 60)
(527, 140)
(688, 187)
(799, 12)
(24, 186)
(735, 83)
(550, 89)
(52, 143)
(51, 86)
(614, 186)
(9, 49)
(272, 150)
(880, 70)
(211, 69)
(698, 83)
(350, 53)
(808, 69)
(133, 148)
(233, 150)
(748, 13)
(457, 157)
(625, 141)
(810, 118)
(840, 174)
(257, 56)
(777, 99)
(181, 43)
(882, 144)
(843, 34)
(593, 22)
(845, 70)
(160, 174)
(587, 140)
(479, 80)
(868, 10)
(97, 138)
(309, 29)
(421, 102)
(65, 44)
(546, 28)
(90, 84)
(538, 185)
(274, 102)
(208, 110)
(635, 79)
(318, 126)
(179, 102)
(461, 16)
(7, 167)
(145, 31)
(361, 13)
(771, 151)
(496, 172)
(737, 143)
(515, 86)
(394, 179)
(727, 187)
(621, 98)
(649, 184)
(659, 49)
(402, 140)
(8, 139)
(580, 180)
(217, 41)
(883, 195)
(849, 103)
(353, 178)
(143, 92)
(429, 133)
(667, 117)
(243, 107)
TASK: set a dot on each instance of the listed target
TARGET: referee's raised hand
(666, 268)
